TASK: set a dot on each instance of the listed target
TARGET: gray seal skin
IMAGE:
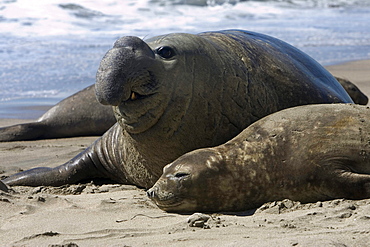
(179, 92)
(78, 115)
(307, 153)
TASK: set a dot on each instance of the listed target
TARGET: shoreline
(118, 215)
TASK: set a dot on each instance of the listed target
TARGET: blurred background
(50, 49)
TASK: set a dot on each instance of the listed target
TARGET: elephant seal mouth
(168, 206)
(165, 201)
(143, 86)
(170, 200)
(143, 104)
(136, 96)
(174, 204)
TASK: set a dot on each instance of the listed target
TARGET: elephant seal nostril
(151, 193)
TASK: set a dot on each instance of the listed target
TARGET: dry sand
(121, 215)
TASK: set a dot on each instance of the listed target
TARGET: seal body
(353, 91)
(179, 92)
(307, 153)
(78, 115)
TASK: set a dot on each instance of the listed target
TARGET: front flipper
(97, 161)
(3, 187)
(79, 168)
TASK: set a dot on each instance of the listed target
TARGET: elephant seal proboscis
(306, 153)
(179, 92)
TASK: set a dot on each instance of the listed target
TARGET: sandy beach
(122, 215)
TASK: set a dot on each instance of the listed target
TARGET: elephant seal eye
(181, 174)
(165, 52)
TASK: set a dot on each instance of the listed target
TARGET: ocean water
(50, 49)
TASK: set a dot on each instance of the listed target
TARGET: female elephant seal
(78, 115)
(179, 92)
(306, 153)
(353, 91)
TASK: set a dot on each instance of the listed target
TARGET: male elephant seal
(179, 92)
(306, 153)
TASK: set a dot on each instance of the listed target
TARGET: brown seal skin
(353, 91)
(78, 115)
(179, 92)
(307, 153)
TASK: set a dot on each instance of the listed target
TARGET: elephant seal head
(153, 82)
(192, 182)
